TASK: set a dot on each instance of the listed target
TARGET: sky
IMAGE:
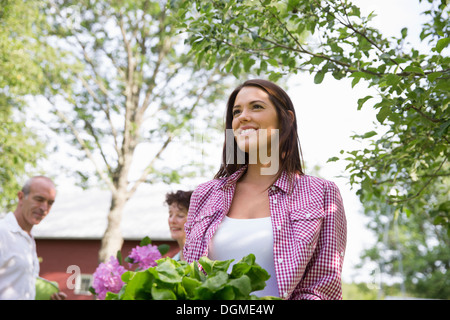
(327, 116)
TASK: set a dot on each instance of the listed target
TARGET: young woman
(293, 223)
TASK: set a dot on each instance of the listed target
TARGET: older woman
(178, 203)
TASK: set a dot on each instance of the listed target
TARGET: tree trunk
(112, 240)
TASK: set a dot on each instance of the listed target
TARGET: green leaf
(129, 260)
(361, 74)
(413, 69)
(217, 265)
(196, 272)
(333, 159)
(433, 76)
(443, 128)
(92, 291)
(248, 63)
(247, 266)
(162, 294)
(404, 32)
(111, 296)
(168, 272)
(215, 283)
(243, 266)
(163, 248)
(362, 101)
(316, 60)
(242, 286)
(273, 62)
(236, 69)
(137, 285)
(274, 76)
(355, 81)
(383, 113)
(318, 78)
(258, 277)
(119, 256)
(145, 241)
(203, 293)
(190, 285)
(226, 293)
(369, 134)
(441, 44)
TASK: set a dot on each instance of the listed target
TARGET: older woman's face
(253, 111)
(177, 219)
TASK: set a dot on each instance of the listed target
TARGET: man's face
(35, 206)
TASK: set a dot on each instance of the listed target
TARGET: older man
(19, 265)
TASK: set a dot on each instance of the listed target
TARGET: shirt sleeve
(188, 253)
(4, 240)
(191, 213)
(322, 279)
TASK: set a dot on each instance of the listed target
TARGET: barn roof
(83, 215)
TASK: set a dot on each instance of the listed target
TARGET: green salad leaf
(200, 280)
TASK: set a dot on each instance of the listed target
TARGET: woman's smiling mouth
(246, 130)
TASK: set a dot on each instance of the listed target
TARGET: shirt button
(278, 228)
(280, 260)
(273, 188)
(285, 295)
(275, 201)
(308, 215)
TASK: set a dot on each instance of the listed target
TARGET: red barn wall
(57, 255)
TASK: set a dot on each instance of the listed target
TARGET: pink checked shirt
(309, 231)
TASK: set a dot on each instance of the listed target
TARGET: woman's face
(252, 112)
(177, 219)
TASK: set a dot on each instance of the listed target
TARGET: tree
(20, 75)
(20, 149)
(411, 250)
(134, 85)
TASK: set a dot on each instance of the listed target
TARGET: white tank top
(236, 238)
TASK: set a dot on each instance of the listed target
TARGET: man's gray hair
(27, 186)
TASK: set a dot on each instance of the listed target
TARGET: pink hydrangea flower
(145, 256)
(107, 277)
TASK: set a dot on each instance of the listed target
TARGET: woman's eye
(257, 106)
(236, 112)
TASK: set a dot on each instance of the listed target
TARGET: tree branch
(169, 139)
(85, 148)
(164, 46)
(433, 176)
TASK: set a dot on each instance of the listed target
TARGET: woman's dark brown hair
(290, 150)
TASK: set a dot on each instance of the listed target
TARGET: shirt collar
(13, 225)
(283, 182)
(231, 180)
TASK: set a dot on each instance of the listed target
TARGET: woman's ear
(291, 116)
